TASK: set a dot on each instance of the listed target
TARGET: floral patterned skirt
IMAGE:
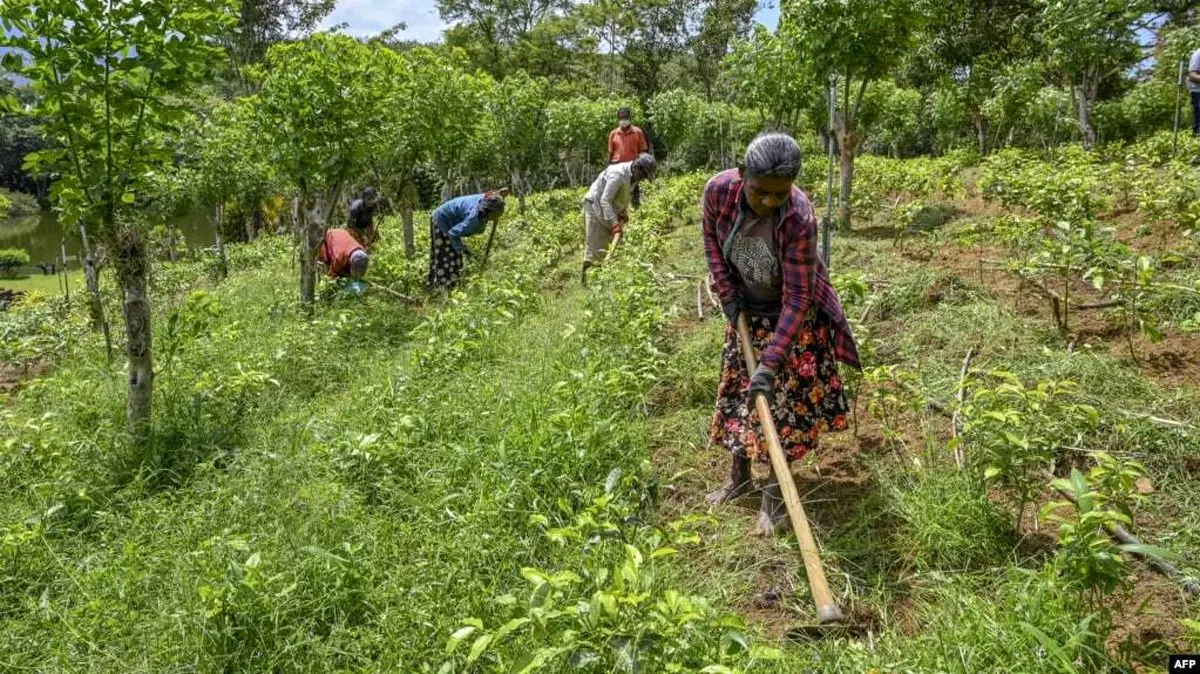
(445, 263)
(809, 396)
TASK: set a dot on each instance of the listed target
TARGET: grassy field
(46, 285)
(513, 476)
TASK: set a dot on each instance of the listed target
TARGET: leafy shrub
(893, 116)
(573, 128)
(700, 134)
(36, 329)
(17, 204)
(12, 259)
(1149, 105)
(1087, 558)
(1161, 147)
(616, 612)
(1016, 431)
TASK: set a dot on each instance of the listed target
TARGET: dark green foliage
(11, 260)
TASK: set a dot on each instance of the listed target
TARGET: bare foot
(729, 492)
(770, 526)
(772, 515)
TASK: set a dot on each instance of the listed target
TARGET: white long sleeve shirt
(609, 195)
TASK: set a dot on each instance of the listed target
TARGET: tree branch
(72, 142)
(858, 100)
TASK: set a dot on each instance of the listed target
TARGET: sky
(369, 17)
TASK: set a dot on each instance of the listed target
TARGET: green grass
(914, 546)
(45, 285)
(343, 493)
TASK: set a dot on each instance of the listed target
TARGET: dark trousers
(1196, 113)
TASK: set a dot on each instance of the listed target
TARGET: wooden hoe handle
(827, 610)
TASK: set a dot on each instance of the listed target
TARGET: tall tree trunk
(315, 213)
(848, 143)
(846, 164)
(309, 240)
(91, 274)
(172, 254)
(447, 190)
(222, 261)
(981, 134)
(1084, 95)
(406, 217)
(133, 267)
(518, 186)
(92, 277)
(254, 223)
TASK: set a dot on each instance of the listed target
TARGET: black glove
(732, 310)
(762, 382)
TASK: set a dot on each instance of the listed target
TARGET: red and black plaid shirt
(805, 279)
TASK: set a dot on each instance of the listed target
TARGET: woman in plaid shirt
(760, 237)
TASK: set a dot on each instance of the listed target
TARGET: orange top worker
(343, 255)
(626, 143)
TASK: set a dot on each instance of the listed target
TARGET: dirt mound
(11, 375)
(8, 296)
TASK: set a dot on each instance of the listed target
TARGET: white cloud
(369, 17)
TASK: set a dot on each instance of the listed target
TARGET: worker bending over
(343, 255)
(451, 223)
(606, 207)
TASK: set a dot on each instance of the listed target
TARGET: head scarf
(492, 202)
(358, 264)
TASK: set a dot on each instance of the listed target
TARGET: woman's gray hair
(645, 165)
(773, 155)
(491, 203)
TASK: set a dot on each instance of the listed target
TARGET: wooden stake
(66, 281)
(393, 293)
(487, 252)
(712, 297)
(955, 420)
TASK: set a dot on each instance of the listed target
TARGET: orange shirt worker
(626, 143)
(343, 255)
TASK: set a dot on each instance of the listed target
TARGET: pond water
(41, 235)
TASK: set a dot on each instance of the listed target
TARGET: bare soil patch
(11, 376)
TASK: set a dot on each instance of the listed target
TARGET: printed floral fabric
(445, 263)
(809, 395)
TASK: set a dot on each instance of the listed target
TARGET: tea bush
(11, 260)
